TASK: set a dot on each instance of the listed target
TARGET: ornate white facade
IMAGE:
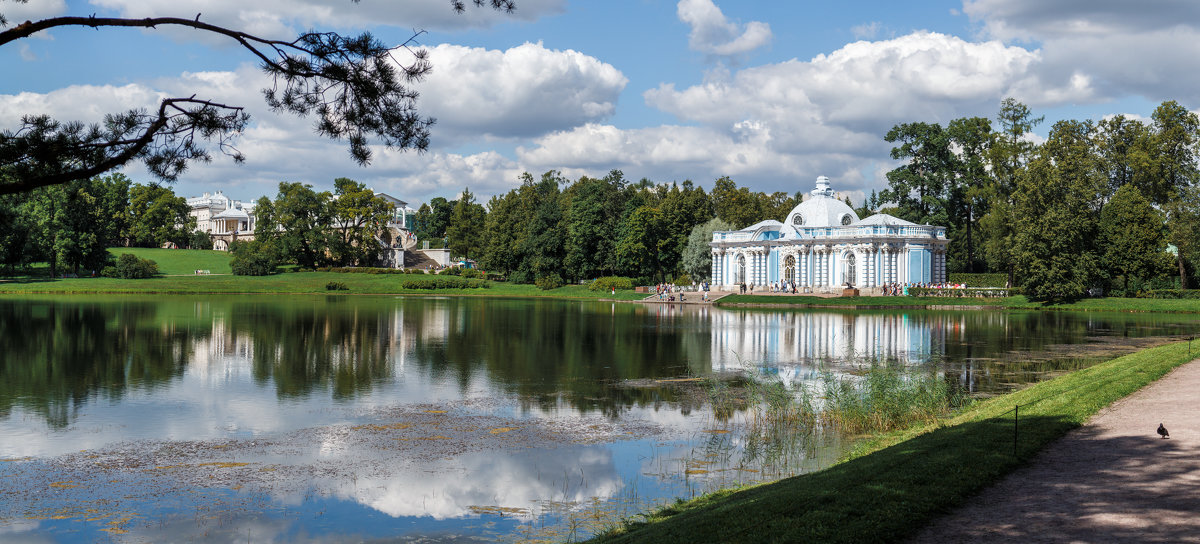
(823, 246)
(219, 214)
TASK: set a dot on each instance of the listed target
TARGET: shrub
(608, 283)
(253, 258)
(131, 267)
(549, 281)
(472, 273)
(336, 286)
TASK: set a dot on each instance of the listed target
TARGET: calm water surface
(343, 419)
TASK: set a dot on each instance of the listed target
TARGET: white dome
(822, 210)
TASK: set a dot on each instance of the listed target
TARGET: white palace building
(823, 246)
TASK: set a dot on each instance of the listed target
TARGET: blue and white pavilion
(823, 246)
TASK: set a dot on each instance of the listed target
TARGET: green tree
(736, 205)
(590, 228)
(1008, 153)
(465, 232)
(433, 218)
(1176, 135)
(542, 248)
(358, 215)
(300, 220)
(16, 229)
(1131, 236)
(697, 256)
(1055, 212)
(1183, 231)
(1126, 150)
(638, 247)
(254, 258)
(968, 191)
(200, 240)
(682, 210)
(501, 250)
(918, 185)
(351, 83)
(1010, 150)
(75, 223)
(157, 216)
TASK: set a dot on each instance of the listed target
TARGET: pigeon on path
(1162, 431)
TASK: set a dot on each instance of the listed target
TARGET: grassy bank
(181, 261)
(289, 283)
(1018, 302)
(894, 484)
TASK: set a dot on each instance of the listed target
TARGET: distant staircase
(416, 259)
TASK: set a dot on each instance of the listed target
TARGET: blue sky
(772, 94)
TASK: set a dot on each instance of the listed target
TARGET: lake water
(348, 418)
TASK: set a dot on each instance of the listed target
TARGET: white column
(761, 262)
(869, 279)
(891, 264)
(830, 267)
(712, 274)
(762, 270)
(870, 252)
(816, 266)
(752, 269)
(806, 276)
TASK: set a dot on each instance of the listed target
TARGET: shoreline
(896, 484)
(314, 283)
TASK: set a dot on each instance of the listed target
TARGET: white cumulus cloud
(713, 33)
(527, 90)
(1151, 49)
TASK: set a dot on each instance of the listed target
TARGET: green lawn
(894, 484)
(289, 283)
(1018, 302)
(181, 261)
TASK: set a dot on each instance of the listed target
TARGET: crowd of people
(901, 289)
(773, 287)
(667, 292)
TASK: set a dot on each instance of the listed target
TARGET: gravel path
(1112, 480)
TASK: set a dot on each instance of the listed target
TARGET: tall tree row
(591, 227)
(1094, 206)
(71, 225)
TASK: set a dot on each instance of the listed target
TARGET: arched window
(741, 269)
(789, 268)
(850, 272)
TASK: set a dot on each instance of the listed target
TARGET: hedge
(445, 282)
(368, 270)
(1170, 293)
(979, 280)
(608, 283)
(957, 293)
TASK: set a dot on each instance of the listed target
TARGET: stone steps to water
(416, 259)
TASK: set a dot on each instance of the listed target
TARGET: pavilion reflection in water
(802, 345)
